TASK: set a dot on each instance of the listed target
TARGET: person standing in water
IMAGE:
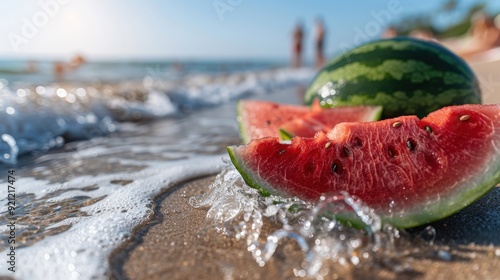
(298, 35)
(320, 43)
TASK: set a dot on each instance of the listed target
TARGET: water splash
(43, 117)
(11, 149)
(319, 229)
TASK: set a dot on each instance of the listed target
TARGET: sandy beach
(178, 244)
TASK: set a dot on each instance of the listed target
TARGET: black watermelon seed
(337, 167)
(345, 152)
(411, 144)
(428, 128)
(358, 142)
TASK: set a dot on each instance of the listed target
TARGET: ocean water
(41, 111)
(91, 149)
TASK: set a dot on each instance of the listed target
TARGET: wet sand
(181, 244)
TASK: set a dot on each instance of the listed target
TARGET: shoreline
(179, 243)
(120, 255)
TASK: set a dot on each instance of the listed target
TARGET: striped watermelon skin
(407, 76)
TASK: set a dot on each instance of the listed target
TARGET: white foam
(82, 252)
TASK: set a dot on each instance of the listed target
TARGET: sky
(193, 29)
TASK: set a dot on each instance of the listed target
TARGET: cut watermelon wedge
(259, 119)
(410, 171)
(324, 120)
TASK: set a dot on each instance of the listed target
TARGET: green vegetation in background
(426, 22)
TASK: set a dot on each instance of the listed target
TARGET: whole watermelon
(404, 75)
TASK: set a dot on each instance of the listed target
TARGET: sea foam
(117, 203)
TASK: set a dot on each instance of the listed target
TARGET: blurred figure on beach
(390, 32)
(297, 38)
(483, 35)
(58, 69)
(76, 61)
(320, 43)
(422, 34)
(61, 68)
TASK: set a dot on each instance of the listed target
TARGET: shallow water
(76, 204)
(37, 118)
(78, 200)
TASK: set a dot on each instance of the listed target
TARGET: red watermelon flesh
(324, 120)
(410, 171)
(259, 119)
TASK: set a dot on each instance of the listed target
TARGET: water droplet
(71, 98)
(61, 92)
(355, 243)
(75, 275)
(428, 234)
(444, 255)
(10, 110)
(81, 92)
(21, 92)
(3, 83)
(40, 90)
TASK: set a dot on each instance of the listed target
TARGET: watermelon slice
(325, 119)
(410, 171)
(259, 119)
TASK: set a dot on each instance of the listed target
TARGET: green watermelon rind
(376, 115)
(443, 209)
(241, 125)
(285, 135)
(415, 217)
(245, 174)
